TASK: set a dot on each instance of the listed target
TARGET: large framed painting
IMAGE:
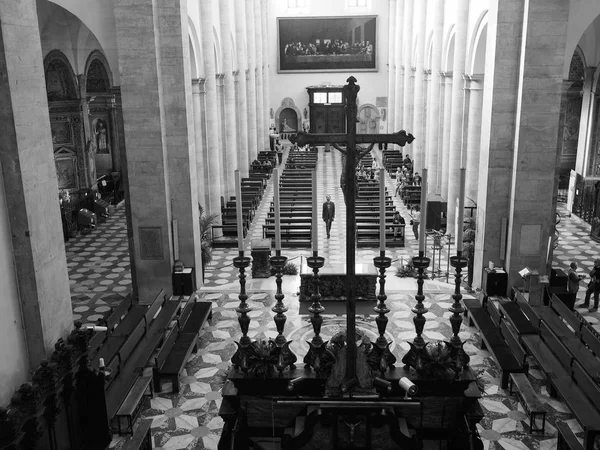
(327, 44)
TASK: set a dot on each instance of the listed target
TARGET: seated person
(398, 220)
(417, 179)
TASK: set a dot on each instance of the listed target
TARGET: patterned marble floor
(189, 420)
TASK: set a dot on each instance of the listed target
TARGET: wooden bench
(115, 317)
(295, 235)
(142, 437)
(530, 399)
(132, 404)
(566, 438)
(566, 314)
(493, 341)
(511, 311)
(133, 356)
(181, 342)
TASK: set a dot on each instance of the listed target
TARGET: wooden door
(327, 119)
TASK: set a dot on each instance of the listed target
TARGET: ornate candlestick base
(380, 357)
(315, 353)
(286, 356)
(458, 262)
(240, 357)
(420, 263)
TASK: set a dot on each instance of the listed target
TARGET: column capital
(473, 82)
(448, 74)
(247, 74)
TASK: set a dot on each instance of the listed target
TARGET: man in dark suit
(328, 213)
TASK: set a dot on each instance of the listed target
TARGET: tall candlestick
(423, 224)
(461, 211)
(277, 212)
(238, 210)
(381, 211)
(315, 212)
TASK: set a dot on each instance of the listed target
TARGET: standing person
(279, 149)
(328, 214)
(416, 220)
(593, 288)
(573, 281)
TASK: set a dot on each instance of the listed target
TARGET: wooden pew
(530, 400)
(566, 438)
(182, 341)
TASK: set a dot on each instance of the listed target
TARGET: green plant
(437, 360)
(289, 269)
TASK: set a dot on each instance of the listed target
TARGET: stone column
(457, 113)
(225, 172)
(586, 124)
(250, 39)
(520, 118)
(419, 116)
(474, 86)
(199, 137)
(391, 63)
(435, 101)
(399, 122)
(266, 75)
(260, 101)
(445, 133)
(215, 168)
(115, 150)
(34, 246)
(161, 184)
(231, 148)
(242, 94)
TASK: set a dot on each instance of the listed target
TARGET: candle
(101, 363)
(461, 211)
(238, 211)
(315, 211)
(277, 213)
(422, 226)
(381, 211)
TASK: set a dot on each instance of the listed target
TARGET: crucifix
(352, 157)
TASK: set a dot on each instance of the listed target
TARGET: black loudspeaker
(184, 283)
(494, 282)
(436, 212)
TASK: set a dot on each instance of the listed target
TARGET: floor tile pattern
(99, 276)
(99, 271)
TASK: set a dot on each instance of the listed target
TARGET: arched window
(97, 78)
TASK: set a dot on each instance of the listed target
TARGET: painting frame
(327, 44)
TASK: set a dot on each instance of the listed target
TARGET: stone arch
(477, 47)
(98, 76)
(368, 119)
(61, 82)
(196, 60)
(288, 103)
(218, 52)
(429, 52)
(448, 51)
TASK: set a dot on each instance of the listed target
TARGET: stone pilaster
(265, 80)
(586, 124)
(447, 80)
(199, 139)
(229, 123)
(391, 64)
(399, 121)
(34, 245)
(242, 94)
(261, 127)
(407, 37)
(251, 82)
(521, 116)
(226, 172)
(215, 168)
(154, 69)
(419, 116)
(457, 114)
(474, 87)
(435, 101)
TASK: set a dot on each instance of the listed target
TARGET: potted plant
(206, 223)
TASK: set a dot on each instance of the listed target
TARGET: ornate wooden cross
(352, 157)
